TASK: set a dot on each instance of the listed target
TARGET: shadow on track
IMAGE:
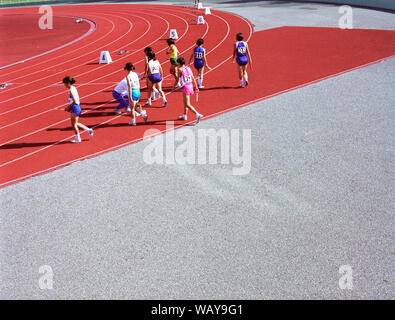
(34, 144)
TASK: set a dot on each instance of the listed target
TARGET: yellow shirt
(173, 55)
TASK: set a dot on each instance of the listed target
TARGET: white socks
(155, 94)
(246, 77)
(77, 139)
(199, 81)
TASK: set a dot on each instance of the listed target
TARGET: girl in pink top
(187, 81)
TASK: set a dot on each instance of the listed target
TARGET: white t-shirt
(122, 87)
(134, 80)
(73, 90)
(154, 66)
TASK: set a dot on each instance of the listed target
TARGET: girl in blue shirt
(199, 56)
(242, 54)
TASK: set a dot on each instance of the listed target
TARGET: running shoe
(198, 117)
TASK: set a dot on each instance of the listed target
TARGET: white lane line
(63, 71)
(91, 29)
(36, 101)
(55, 108)
(66, 53)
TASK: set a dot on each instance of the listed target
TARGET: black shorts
(173, 62)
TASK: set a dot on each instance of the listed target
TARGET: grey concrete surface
(384, 4)
(319, 196)
(271, 14)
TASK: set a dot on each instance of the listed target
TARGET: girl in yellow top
(173, 52)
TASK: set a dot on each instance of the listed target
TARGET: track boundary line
(86, 34)
(66, 53)
(78, 65)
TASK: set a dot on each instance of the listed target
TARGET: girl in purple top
(242, 54)
(199, 56)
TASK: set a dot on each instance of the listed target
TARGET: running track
(35, 131)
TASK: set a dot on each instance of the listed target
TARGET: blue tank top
(241, 49)
(198, 53)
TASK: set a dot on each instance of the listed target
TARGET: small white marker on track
(173, 34)
(105, 57)
(200, 20)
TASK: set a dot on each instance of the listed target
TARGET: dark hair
(199, 42)
(129, 66)
(151, 55)
(181, 61)
(239, 37)
(147, 49)
(170, 41)
(68, 80)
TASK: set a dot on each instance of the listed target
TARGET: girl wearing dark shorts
(155, 76)
(155, 94)
(242, 54)
(173, 52)
(199, 56)
(75, 109)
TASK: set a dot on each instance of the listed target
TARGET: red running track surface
(34, 134)
(22, 38)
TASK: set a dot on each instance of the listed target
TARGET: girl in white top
(74, 108)
(133, 83)
(155, 75)
(119, 93)
(155, 94)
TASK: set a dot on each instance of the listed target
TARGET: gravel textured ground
(319, 196)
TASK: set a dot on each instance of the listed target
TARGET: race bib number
(242, 49)
(188, 79)
(198, 55)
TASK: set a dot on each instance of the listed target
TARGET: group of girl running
(127, 92)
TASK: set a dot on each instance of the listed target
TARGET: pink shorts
(188, 89)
